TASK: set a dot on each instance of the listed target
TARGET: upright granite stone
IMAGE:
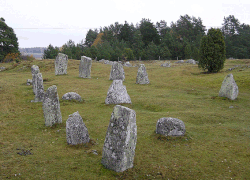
(142, 76)
(71, 96)
(34, 71)
(76, 131)
(39, 88)
(120, 142)
(229, 88)
(61, 64)
(117, 72)
(51, 107)
(117, 93)
(85, 67)
(170, 127)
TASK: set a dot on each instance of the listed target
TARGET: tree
(212, 51)
(90, 37)
(51, 52)
(8, 40)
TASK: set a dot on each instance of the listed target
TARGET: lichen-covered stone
(229, 88)
(120, 142)
(29, 82)
(191, 61)
(71, 96)
(85, 67)
(142, 76)
(117, 72)
(166, 65)
(61, 64)
(170, 127)
(39, 95)
(76, 131)
(34, 71)
(127, 64)
(117, 93)
(180, 61)
(51, 107)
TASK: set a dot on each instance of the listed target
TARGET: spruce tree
(212, 51)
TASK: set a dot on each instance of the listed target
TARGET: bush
(212, 51)
(12, 57)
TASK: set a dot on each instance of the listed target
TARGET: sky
(43, 22)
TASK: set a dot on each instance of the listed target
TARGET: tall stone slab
(51, 107)
(117, 72)
(170, 127)
(120, 142)
(39, 95)
(229, 88)
(34, 71)
(142, 75)
(76, 131)
(61, 64)
(117, 93)
(85, 67)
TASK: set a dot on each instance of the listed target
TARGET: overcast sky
(40, 23)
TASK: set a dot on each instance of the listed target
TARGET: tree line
(149, 41)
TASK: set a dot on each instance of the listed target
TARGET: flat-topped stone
(85, 67)
(169, 126)
(117, 72)
(51, 107)
(117, 93)
(61, 64)
(71, 96)
(120, 142)
(229, 88)
(76, 130)
(142, 76)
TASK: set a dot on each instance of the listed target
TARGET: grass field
(216, 144)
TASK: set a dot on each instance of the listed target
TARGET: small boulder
(229, 88)
(117, 93)
(76, 131)
(191, 61)
(29, 82)
(120, 142)
(180, 61)
(166, 65)
(142, 76)
(127, 64)
(71, 96)
(170, 127)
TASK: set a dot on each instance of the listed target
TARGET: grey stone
(142, 76)
(34, 71)
(170, 127)
(191, 61)
(127, 64)
(29, 82)
(117, 72)
(117, 93)
(71, 96)
(51, 107)
(120, 142)
(166, 65)
(229, 88)
(61, 64)
(85, 67)
(76, 130)
(39, 95)
(180, 61)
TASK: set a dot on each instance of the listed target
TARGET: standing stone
(117, 72)
(76, 131)
(229, 88)
(51, 107)
(34, 71)
(117, 93)
(170, 127)
(85, 67)
(120, 142)
(142, 76)
(39, 88)
(61, 64)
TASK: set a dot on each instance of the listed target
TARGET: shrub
(212, 51)
(12, 57)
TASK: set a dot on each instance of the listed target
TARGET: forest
(149, 41)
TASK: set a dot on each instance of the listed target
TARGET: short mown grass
(216, 144)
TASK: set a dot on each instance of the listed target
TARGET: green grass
(216, 144)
